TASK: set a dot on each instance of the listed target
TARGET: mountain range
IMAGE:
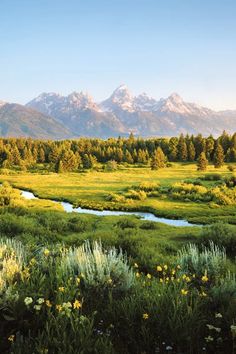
(53, 116)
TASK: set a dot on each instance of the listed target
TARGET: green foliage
(99, 268)
(222, 235)
(210, 261)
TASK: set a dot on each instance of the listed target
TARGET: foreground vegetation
(132, 287)
(79, 283)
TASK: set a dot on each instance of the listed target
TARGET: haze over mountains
(54, 116)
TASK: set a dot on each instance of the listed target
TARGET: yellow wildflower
(159, 268)
(204, 278)
(137, 274)
(59, 308)
(78, 280)
(178, 267)
(48, 303)
(161, 280)
(32, 261)
(184, 276)
(135, 265)
(187, 279)
(184, 292)
(165, 267)
(173, 272)
(145, 316)
(77, 304)
(203, 294)
(109, 281)
(46, 252)
(61, 289)
(11, 338)
(149, 276)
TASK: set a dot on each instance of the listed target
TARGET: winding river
(68, 207)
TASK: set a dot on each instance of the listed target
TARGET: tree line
(72, 155)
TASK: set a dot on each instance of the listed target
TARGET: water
(68, 207)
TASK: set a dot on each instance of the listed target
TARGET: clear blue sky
(156, 46)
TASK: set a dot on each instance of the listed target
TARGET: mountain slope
(123, 113)
(19, 121)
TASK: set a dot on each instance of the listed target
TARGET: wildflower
(194, 276)
(178, 267)
(209, 339)
(217, 329)
(159, 268)
(25, 273)
(203, 294)
(78, 280)
(77, 304)
(37, 307)
(149, 276)
(48, 303)
(233, 330)
(145, 316)
(169, 348)
(161, 280)
(165, 267)
(137, 274)
(218, 315)
(184, 292)
(28, 301)
(40, 301)
(173, 272)
(46, 252)
(204, 278)
(167, 279)
(32, 262)
(11, 338)
(61, 289)
(109, 281)
(210, 327)
(184, 276)
(187, 279)
(59, 308)
(135, 265)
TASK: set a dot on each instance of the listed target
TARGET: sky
(153, 46)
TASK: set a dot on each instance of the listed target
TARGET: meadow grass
(90, 189)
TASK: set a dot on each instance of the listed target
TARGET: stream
(68, 207)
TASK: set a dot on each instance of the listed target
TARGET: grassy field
(90, 189)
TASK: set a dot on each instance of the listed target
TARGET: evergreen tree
(219, 156)
(202, 162)
(182, 149)
(158, 159)
(191, 151)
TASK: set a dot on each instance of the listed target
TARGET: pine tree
(191, 151)
(158, 159)
(182, 149)
(219, 156)
(202, 162)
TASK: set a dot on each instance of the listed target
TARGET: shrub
(99, 268)
(12, 259)
(231, 168)
(211, 260)
(149, 225)
(126, 223)
(137, 195)
(147, 187)
(212, 177)
(113, 197)
(220, 234)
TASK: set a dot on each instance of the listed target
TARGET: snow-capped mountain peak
(121, 98)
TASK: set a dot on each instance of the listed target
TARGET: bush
(212, 177)
(147, 187)
(136, 195)
(98, 268)
(148, 225)
(211, 260)
(220, 234)
(126, 223)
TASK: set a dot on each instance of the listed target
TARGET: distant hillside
(20, 121)
(123, 113)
